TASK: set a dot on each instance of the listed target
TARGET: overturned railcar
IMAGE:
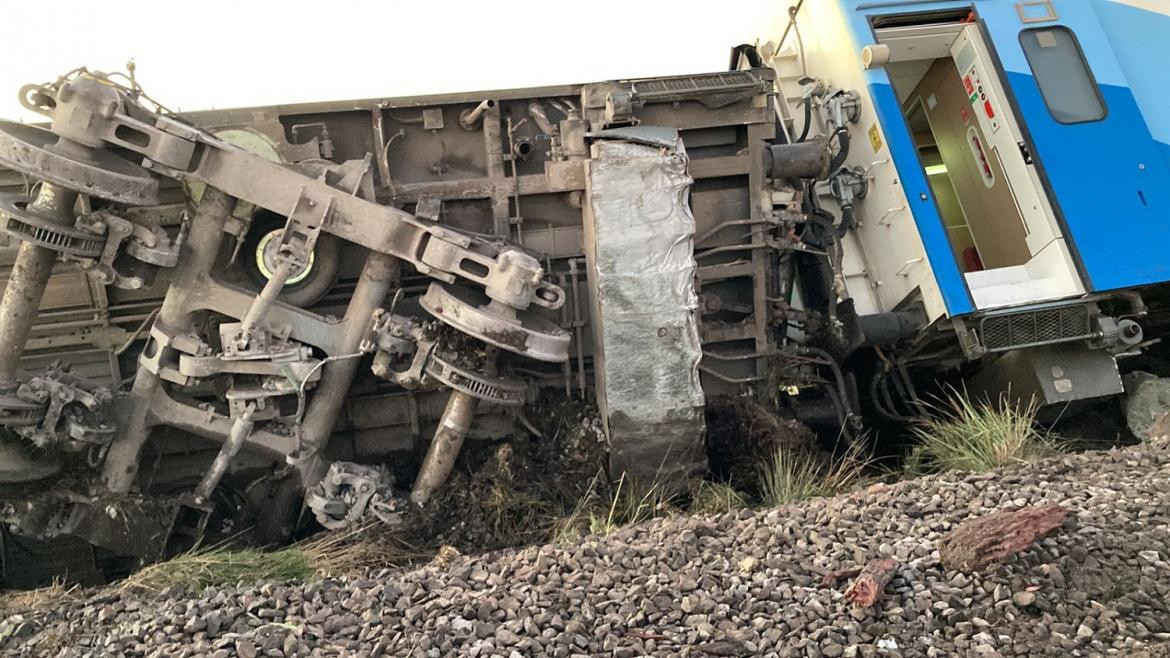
(315, 305)
(980, 136)
(267, 314)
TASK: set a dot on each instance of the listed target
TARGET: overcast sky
(217, 53)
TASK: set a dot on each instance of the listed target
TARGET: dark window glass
(1068, 86)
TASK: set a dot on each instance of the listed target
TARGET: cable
(847, 221)
(792, 12)
(309, 375)
(824, 358)
(137, 332)
(878, 393)
(807, 120)
(747, 51)
(842, 135)
(799, 41)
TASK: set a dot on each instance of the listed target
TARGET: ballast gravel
(741, 584)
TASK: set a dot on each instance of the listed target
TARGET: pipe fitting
(470, 119)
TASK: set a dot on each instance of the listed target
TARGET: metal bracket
(972, 347)
(164, 348)
(397, 340)
(150, 246)
(57, 390)
(303, 227)
(348, 491)
(91, 112)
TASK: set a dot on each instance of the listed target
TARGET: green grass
(966, 435)
(630, 503)
(204, 567)
(603, 511)
(790, 476)
(717, 498)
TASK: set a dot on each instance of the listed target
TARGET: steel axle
(26, 284)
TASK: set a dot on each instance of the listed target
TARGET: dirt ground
(504, 494)
(742, 435)
(540, 486)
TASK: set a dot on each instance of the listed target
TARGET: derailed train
(240, 316)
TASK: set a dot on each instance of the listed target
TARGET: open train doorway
(1001, 226)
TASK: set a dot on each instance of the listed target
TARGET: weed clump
(742, 434)
(519, 492)
(42, 598)
(791, 475)
(631, 503)
(977, 436)
(218, 566)
(368, 545)
(717, 498)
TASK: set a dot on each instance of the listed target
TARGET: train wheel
(306, 286)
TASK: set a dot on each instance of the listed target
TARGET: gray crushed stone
(741, 584)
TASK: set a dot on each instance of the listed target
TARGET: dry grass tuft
(791, 476)
(717, 498)
(573, 525)
(631, 503)
(977, 436)
(367, 546)
(445, 556)
(37, 599)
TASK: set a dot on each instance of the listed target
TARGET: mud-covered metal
(474, 314)
(349, 492)
(43, 155)
(456, 292)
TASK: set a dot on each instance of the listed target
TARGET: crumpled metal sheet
(639, 234)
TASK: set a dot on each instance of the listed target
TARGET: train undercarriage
(275, 314)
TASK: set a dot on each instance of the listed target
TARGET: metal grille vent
(691, 85)
(1013, 330)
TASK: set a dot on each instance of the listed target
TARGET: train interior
(999, 222)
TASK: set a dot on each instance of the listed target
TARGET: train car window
(1065, 81)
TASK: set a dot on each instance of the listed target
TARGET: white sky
(202, 54)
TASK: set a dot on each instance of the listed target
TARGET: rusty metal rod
(27, 281)
(449, 435)
(445, 446)
(378, 275)
(241, 428)
(263, 302)
(191, 272)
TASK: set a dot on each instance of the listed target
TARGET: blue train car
(1005, 172)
